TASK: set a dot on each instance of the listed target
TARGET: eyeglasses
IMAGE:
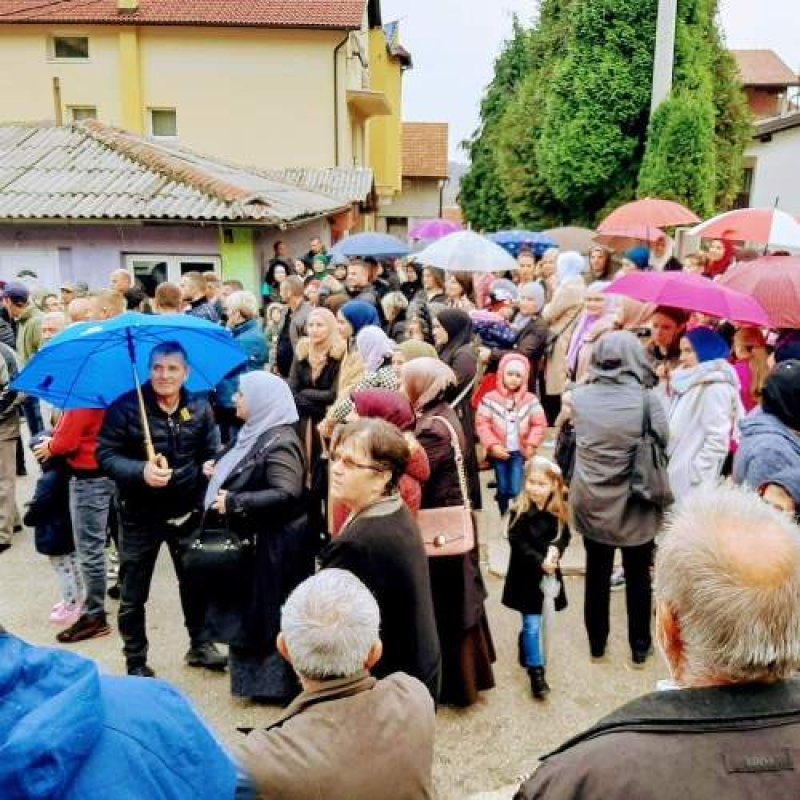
(349, 463)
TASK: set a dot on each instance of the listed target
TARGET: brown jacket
(357, 739)
(561, 314)
(719, 743)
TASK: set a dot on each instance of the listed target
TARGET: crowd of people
(350, 444)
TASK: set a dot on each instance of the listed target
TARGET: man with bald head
(120, 281)
(728, 624)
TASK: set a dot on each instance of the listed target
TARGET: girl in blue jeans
(538, 534)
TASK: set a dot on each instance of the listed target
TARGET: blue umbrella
(91, 364)
(514, 241)
(377, 245)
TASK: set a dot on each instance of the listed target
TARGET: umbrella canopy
(571, 237)
(774, 281)
(89, 364)
(768, 226)
(625, 238)
(649, 212)
(377, 245)
(433, 229)
(514, 241)
(690, 293)
(466, 251)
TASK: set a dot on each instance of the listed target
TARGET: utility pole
(664, 54)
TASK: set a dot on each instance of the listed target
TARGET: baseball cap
(18, 293)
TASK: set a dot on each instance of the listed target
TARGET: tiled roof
(348, 184)
(90, 171)
(336, 14)
(765, 128)
(763, 68)
(425, 149)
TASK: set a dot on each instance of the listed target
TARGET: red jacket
(75, 437)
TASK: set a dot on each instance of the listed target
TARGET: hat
(707, 344)
(532, 291)
(17, 293)
(67, 287)
(640, 256)
(503, 291)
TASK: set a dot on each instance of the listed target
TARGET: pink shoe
(67, 615)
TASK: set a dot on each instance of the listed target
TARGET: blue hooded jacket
(68, 732)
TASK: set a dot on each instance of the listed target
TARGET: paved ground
(483, 749)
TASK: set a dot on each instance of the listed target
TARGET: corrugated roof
(425, 149)
(350, 185)
(92, 171)
(334, 14)
(763, 68)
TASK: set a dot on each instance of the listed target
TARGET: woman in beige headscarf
(456, 581)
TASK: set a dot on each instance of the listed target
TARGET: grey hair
(244, 302)
(330, 623)
(394, 300)
(728, 568)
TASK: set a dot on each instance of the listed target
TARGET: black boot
(539, 685)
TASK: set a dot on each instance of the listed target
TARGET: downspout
(442, 184)
(336, 98)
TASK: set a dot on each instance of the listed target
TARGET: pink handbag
(449, 531)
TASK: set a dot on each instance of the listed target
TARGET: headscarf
(617, 356)
(639, 256)
(383, 404)
(781, 394)
(586, 323)
(533, 290)
(458, 325)
(707, 344)
(374, 347)
(659, 262)
(425, 380)
(270, 403)
(413, 349)
(359, 314)
(569, 265)
(714, 268)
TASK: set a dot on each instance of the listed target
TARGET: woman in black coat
(381, 544)
(456, 581)
(257, 487)
(452, 333)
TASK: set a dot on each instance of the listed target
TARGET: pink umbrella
(433, 229)
(690, 293)
(620, 239)
(769, 226)
(649, 212)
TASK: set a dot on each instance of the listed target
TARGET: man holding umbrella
(160, 498)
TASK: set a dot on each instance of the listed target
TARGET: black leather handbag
(214, 554)
(649, 476)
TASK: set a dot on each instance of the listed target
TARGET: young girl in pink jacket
(511, 424)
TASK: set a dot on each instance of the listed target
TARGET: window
(150, 270)
(163, 122)
(69, 48)
(81, 113)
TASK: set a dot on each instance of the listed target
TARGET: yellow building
(269, 84)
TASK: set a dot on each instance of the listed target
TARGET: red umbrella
(620, 239)
(648, 213)
(769, 226)
(690, 293)
(774, 281)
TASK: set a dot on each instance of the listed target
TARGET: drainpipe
(442, 184)
(336, 98)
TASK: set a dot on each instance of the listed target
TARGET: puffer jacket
(704, 415)
(251, 339)
(499, 406)
(187, 438)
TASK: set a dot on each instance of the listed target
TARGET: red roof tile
(425, 150)
(336, 14)
(763, 68)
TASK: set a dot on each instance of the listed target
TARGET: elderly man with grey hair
(728, 624)
(347, 736)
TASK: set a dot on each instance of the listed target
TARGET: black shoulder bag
(649, 477)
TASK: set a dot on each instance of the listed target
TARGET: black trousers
(139, 546)
(638, 593)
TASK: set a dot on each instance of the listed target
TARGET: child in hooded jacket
(511, 424)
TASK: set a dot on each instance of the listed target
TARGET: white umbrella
(768, 226)
(550, 589)
(466, 251)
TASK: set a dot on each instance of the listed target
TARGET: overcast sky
(454, 44)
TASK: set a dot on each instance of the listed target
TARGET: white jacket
(703, 419)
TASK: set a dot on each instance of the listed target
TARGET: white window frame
(51, 48)
(173, 262)
(73, 109)
(156, 136)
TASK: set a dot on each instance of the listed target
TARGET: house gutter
(336, 98)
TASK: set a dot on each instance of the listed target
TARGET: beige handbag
(449, 531)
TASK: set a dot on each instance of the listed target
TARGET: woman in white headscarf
(561, 314)
(257, 489)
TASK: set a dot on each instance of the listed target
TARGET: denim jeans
(532, 640)
(33, 415)
(139, 545)
(509, 479)
(89, 503)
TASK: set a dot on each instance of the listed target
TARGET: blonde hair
(754, 341)
(558, 499)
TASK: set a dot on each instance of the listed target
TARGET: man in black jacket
(160, 500)
(728, 623)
